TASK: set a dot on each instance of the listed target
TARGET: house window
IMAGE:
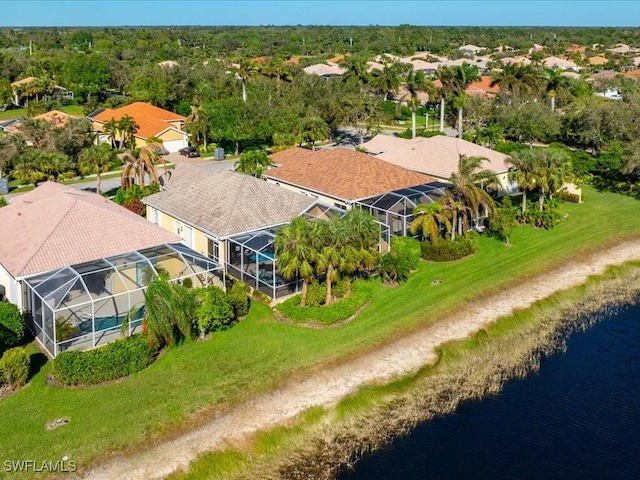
(213, 249)
(156, 216)
(177, 227)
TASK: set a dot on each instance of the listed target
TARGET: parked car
(161, 150)
(186, 150)
(193, 153)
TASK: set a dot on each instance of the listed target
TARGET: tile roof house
(232, 218)
(561, 63)
(436, 156)
(59, 241)
(483, 87)
(22, 97)
(339, 175)
(54, 117)
(598, 60)
(325, 71)
(152, 121)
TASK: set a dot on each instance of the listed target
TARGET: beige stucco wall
(166, 221)
(12, 289)
(172, 135)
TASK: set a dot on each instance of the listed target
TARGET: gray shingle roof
(225, 203)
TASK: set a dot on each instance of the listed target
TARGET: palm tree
(467, 186)
(276, 69)
(127, 127)
(428, 219)
(245, 70)
(27, 168)
(253, 162)
(523, 171)
(357, 70)
(296, 247)
(552, 169)
(197, 124)
(446, 77)
(457, 212)
(335, 256)
(111, 129)
(415, 82)
(517, 80)
(96, 159)
(556, 84)
(364, 237)
(139, 168)
(388, 79)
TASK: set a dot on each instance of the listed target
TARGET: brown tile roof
(56, 225)
(225, 203)
(633, 74)
(598, 60)
(345, 174)
(483, 87)
(151, 120)
(437, 156)
(24, 81)
(291, 154)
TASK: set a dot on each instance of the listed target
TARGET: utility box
(218, 153)
(4, 185)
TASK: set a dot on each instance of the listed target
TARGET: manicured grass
(22, 112)
(193, 381)
(341, 310)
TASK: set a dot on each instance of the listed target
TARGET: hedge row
(117, 359)
(11, 325)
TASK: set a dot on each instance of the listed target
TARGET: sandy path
(327, 387)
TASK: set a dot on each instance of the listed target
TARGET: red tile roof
(342, 174)
(151, 120)
(483, 87)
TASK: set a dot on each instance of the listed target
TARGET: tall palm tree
(523, 171)
(428, 219)
(457, 213)
(556, 84)
(277, 70)
(467, 185)
(446, 76)
(357, 70)
(336, 256)
(296, 247)
(552, 168)
(416, 82)
(363, 237)
(197, 124)
(245, 70)
(96, 159)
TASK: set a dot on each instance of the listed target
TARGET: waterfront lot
(188, 384)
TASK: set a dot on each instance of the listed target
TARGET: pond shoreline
(395, 359)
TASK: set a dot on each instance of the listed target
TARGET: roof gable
(151, 120)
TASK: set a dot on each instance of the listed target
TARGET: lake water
(578, 418)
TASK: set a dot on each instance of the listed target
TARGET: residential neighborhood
(224, 231)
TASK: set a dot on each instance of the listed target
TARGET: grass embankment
(325, 440)
(189, 384)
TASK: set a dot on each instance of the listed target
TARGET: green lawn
(191, 382)
(22, 112)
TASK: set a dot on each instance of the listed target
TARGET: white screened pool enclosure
(84, 306)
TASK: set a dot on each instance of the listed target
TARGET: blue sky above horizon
(63, 13)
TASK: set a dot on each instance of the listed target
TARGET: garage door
(174, 145)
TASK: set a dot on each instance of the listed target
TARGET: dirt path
(328, 387)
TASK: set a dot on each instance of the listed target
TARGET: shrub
(568, 197)
(316, 294)
(545, 218)
(115, 360)
(14, 367)
(215, 310)
(408, 248)
(11, 325)
(135, 205)
(3, 202)
(239, 296)
(447, 250)
(336, 312)
(394, 267)
(341, 288)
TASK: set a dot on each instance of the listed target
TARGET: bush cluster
(337, 312)
(11, 325)
(568, 197)
(545, 218)
(317, 292)
(239, 296)
(407, 248)
(14, 367)
(115, 360)
(447, 250)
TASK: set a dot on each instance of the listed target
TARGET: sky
(64, 13)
